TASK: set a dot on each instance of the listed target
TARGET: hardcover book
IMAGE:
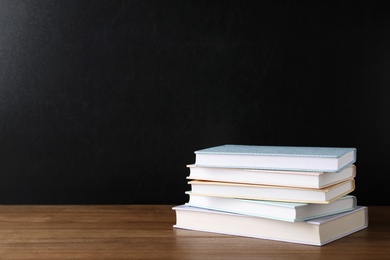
(285, 211)
(289, 158)
(303, 179)
(319, 231)
(273, 193)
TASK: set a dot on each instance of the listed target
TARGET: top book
(290, 158)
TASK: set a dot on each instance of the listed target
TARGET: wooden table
(145, 232)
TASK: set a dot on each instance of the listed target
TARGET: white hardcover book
(285, 211)
(319, 231)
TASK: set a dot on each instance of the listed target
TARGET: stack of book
(284, 193)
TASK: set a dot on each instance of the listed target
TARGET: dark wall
(106, 101)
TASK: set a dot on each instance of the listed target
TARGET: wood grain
(145, 232)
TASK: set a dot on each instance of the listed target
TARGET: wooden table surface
(146, 232)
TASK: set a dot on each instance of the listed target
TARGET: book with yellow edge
(272, 193)
(303, 179)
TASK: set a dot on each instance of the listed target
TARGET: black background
(106, 101)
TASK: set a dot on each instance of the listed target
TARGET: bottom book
(318, 231)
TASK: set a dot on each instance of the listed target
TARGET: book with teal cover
(292, 158)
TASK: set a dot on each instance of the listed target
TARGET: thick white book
(285, 211)
(319, 231)
(273, 193)
(289, 158)
(304, 179)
